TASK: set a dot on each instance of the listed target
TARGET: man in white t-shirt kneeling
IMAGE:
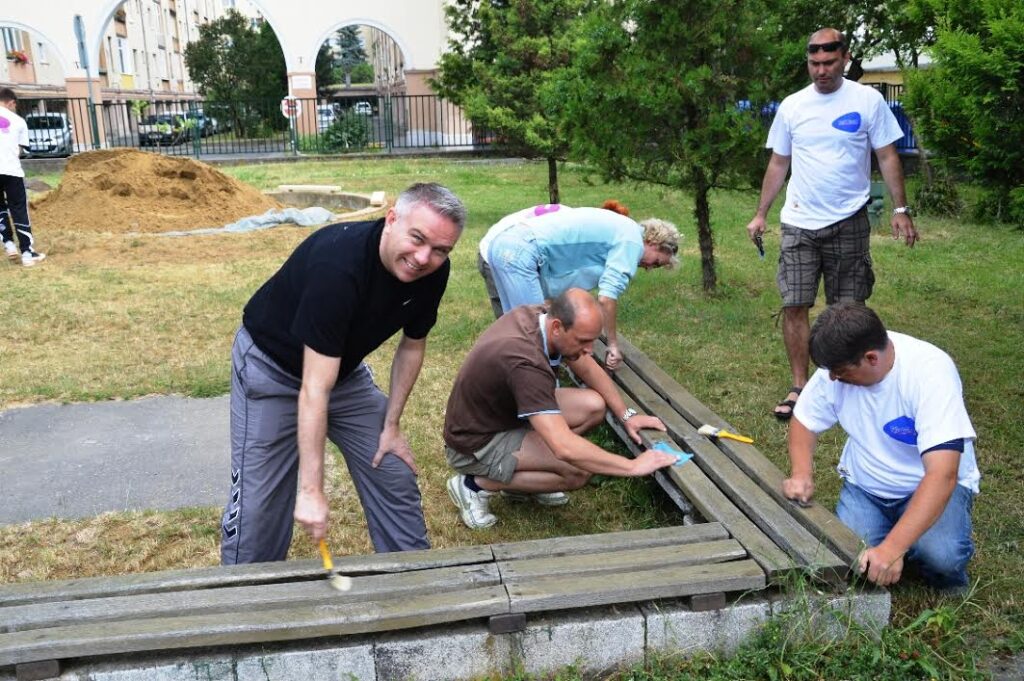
(908, 466)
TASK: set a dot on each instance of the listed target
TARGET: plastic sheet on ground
(304, 217)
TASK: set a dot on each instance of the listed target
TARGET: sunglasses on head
(814, 48)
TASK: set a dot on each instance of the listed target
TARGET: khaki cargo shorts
(495, 461)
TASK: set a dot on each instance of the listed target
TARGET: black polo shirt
(334, 295)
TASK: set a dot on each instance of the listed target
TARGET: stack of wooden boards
(41, 624)
(732, 482)
(753, 537)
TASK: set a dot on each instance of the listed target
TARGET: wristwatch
(627, 415)
(903, 210)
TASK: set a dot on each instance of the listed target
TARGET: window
(161, 64)
(124, 65)
(12, 38)
(41, 55)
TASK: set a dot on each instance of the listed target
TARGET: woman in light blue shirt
(535, 254)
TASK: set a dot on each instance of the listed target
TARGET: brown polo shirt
(506, 378)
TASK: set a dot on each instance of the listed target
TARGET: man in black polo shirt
(298, 377)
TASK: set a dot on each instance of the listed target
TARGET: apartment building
(141, 55)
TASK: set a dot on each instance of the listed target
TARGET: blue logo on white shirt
(902, 429)
(847, 122)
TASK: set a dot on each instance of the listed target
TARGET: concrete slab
(340, 663)
(592, 641)
(675, 629)
(466, 651)
(80, 460)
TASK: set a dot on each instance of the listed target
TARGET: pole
(83, 57)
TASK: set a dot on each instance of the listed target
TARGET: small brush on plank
(337, 580)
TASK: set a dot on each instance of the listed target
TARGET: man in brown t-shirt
(510, 428)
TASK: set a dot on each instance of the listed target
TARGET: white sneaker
(475, 507)
(11, 249)
(30, 258)
(542, 498)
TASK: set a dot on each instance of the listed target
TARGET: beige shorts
(495, 461)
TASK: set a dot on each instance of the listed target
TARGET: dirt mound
(124, 190)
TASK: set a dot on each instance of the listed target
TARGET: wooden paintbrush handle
(326, 555)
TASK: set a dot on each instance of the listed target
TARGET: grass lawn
(120, 316)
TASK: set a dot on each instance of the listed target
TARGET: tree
(350, 52)
(232, 62)
(968, 105)
(503, 67)
(655, 95)
(326, 73)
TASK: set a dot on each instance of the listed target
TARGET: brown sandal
(788, 404)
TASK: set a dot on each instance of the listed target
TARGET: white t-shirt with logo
(830, 138)
(918, 405)
(13, 136)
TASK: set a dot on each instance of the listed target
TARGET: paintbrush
(711, 431)
(337, 580)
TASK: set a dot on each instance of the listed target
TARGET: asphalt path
(80, 460)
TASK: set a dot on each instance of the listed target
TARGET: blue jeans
(941, 553)
(515, 262)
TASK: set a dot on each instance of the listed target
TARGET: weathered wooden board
(712, 504)
(576, 591)
(704, 553)
(238, 575)
(250, 626)
(805, 549)
(240, 598)
(611, 541)
(816, 518)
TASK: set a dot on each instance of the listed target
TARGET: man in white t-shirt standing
(14, 223)
(826, 132)
(908, 466)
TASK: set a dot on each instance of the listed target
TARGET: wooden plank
(805, 549)
(235, 599)
(610, 541)
(647, 558)
(575, 591)
(712, 504)
(821, 522)
(238, 575)
(250, 626)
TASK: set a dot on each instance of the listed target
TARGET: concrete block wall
(593, 640)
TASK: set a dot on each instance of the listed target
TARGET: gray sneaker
(542, 498)
(475, 507)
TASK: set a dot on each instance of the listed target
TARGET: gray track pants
(257, 522)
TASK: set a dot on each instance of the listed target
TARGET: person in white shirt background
(826, 133)
(14, 222)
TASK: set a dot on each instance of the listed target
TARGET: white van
(49, 134)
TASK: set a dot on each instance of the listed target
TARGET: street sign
(291, 107)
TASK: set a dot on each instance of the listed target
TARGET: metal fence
(337, 125)
(893, 94)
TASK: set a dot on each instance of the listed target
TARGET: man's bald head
(576, 322)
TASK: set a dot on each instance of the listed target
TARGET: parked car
(326, 115)
(163, 130)
(49, 134)
(206, 125)
(362, 109)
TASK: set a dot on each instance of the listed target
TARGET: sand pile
(124, 190)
